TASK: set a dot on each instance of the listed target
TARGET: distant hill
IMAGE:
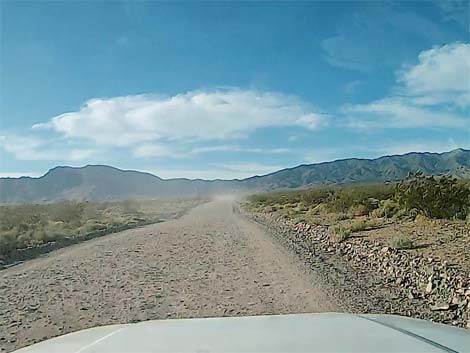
(387, 168)
(99, 182)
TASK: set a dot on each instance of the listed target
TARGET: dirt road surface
(210, 262)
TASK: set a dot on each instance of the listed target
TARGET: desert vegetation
(412, 236)
(33, 225)
(419, 210)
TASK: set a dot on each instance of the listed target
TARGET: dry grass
(23, 226)
(385, 223)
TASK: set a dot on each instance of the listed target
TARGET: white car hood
(326, 332)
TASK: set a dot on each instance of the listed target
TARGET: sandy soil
(210, 262)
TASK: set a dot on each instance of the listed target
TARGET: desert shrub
(442, 197)
(358, 210)
(57, 230)
(340, 201)
(341, 233)
(91, 226)
(66, 212)
(374, 223)
(8, 241)
(360, 198)
(321, 208)
(317, 221)
(301, 207)
(304, 198)
(341, 216)
(388, 209)
(312, 217)
(402, 214)
(401, 241)
(377, 213)
(315, 196)
(422, 220)
(358, 225)
(91, 211)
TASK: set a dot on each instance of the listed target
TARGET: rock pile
(428, 288)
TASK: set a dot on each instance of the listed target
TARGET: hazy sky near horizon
(229, 90)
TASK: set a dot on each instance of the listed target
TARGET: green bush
(341, 233)
(358, 225)
(442, 197)
(342, 216)
(360, 199)
(435, 197)
(359, 210)
(401, 241)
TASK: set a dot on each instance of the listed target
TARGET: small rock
(385, 249)
(443, 307)
(440, 307)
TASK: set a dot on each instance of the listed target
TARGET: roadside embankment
(397, 281)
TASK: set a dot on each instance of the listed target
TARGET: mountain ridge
(98, 182)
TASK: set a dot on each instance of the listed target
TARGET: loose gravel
(210, 262)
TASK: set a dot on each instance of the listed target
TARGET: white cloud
(188, 117)
(34, 148)
(208, 174)
(399, 112)
(433, 93)
(249, 169)
(18, 174)
(223, 148)
(231, 148)
(219, 171)
(442, 73)
(156, 150)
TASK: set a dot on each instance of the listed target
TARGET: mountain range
(101, 182)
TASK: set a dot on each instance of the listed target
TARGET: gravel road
(210, 262)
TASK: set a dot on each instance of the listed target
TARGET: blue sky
(228, 90)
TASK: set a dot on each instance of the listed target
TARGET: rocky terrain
(404, 283)
(214, 261)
